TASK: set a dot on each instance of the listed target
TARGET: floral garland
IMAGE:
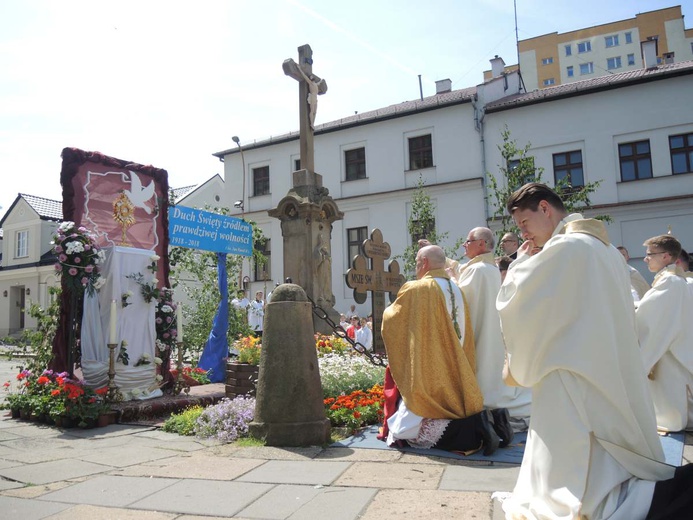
(149, 290)
(78, 258)
(166, 327)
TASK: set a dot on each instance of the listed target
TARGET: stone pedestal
(306, 214)
(289, 409)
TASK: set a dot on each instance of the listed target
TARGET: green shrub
(183, 423)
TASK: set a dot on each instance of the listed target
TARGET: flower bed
(357, 409)
(54, 397)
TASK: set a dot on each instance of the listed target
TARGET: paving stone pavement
(141, 473)
(138, 472)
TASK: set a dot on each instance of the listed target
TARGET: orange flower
(357, 414)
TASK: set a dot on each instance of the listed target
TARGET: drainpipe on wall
(479, 126)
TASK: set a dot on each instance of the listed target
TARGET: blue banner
(198, 229)
(216, 349)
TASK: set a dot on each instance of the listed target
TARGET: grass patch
(249, 442)
(183, 423)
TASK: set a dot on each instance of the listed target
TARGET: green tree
(36, 347)
(422, 225)
(196, 272)
(517, 169)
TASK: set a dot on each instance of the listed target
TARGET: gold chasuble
(433, 369)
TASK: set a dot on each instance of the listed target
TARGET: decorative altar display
(128, 278)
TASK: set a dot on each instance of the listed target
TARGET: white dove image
(139, 195)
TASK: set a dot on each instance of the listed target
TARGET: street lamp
(236, 140)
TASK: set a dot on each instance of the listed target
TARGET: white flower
(65, 226)
(100, 282)
(158, 360)
(166, 308)
(155, 281)
(159, 377)
(145, 356)
(124, 343)
(154, 258)
(135, 392)
(74, 247)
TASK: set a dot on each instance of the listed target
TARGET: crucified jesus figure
(310, 87)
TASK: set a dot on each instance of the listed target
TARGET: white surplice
(480, 281)
(569, 324)
(665, 330)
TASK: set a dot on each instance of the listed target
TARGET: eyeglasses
(508, 240)
(468, 241)
(648, 255)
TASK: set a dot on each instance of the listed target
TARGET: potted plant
(242, 373)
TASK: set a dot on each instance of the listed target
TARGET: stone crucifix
(309, 87)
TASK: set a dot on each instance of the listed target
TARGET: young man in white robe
(665, 331)
(569, 324)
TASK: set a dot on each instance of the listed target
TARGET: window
(584, 47)
(681, 149)
(547, 61)
(355, 238)
(631, 59)
(422, 230)
(22, 249)
(568, 166)
(635, 159)
(613, 63)
(297, 164)
(420, 152)
(570, 72)
(263, 272)
(549, 81)
(568, 50)
(629, 37)
(586, 68)
(261, 184)
(611, 41)
(355, 161)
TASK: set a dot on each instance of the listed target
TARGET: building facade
(632, 131)
(559, 58)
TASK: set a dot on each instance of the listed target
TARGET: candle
(179, 322)
(112, 340)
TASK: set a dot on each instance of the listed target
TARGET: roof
(47, 209)
(179, 193)
(588, 86)
(454, 97)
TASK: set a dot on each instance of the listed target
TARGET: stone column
(289, 409)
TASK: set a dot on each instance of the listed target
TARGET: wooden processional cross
(310, 87)
(376, 280)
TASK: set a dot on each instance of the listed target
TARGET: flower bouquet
(78, 257)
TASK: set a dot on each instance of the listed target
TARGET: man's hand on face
(528, 248)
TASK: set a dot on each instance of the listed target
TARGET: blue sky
(169, 82)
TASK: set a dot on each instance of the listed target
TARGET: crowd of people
(559, 337)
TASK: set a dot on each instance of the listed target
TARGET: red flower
(55, 392)
(101, 391)
(357, 414)
(43, 380)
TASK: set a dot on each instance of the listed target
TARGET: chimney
(668, 57)
(649, 52)
(497, 67)
(443, 86)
